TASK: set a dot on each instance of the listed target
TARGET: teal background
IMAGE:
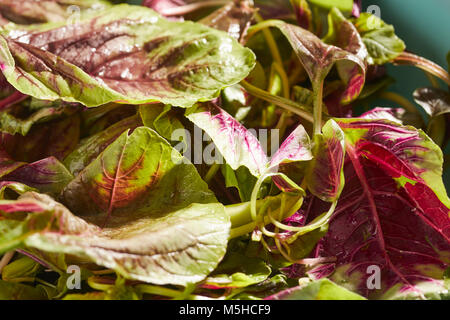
(424, 26)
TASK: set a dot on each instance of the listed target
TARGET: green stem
(400, 100)
(6, 259)
(411, 59)
(284, 103)
(318, 95)
(159, 291)
(211, 172)
(432, 79)
(242, 230)
(271, 43)
(241, 218)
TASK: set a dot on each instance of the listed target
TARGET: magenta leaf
(393, 214)
(47, 175)
(318, 58)
(237, 145)
(324, 175)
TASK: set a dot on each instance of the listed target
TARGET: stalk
(271, 43)
(284, 103)
(407, 58)
(6, 259)
(318, 95)
(400, 100)
(241, 218)
(211, 172)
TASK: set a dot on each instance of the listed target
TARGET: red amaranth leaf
(138, 172)
(393, 213)
(325, 177)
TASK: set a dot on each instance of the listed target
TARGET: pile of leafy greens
(99, 178)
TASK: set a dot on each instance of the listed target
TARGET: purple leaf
(318, 58)
(393, 213)
(56, 138)
(434, 101)
(324, 175)
(234, 18)
(47, 175)
(125, 53)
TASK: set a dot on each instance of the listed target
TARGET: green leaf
(241, 179)
(343, 5)
(260, 290)
(153, 59)
(91, 147)
(237, 271)
(164, 120)
(139, 248)
(380, 39)
(18, 291)
(20, 268)
(322, 289)
(139, 172)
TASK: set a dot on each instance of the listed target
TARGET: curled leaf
(434, 101)
(325, 175)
